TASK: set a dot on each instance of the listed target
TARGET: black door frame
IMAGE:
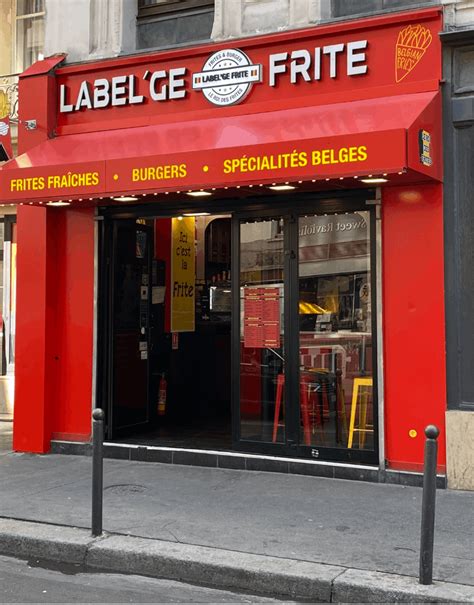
(238, 208)
(292, 446)
(105, 332)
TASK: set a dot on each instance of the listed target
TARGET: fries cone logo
(412, 43)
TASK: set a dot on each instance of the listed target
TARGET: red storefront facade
(320, 110)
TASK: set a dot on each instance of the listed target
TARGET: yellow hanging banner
(183, 274)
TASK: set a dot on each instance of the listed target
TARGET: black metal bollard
(97, 470)
(428, 505)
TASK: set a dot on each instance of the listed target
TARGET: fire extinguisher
(162, 396)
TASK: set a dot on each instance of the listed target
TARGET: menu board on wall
(261, 318)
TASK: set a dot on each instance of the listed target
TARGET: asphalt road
(39, 582)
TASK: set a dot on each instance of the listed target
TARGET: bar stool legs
(304, 406)
(359, 395)
(341, 433)
(278, 397)
(304, 403)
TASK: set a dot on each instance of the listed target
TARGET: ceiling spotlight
(198, 193)
(374, 180)
(125, 198)
(281, 187)
(58, 203)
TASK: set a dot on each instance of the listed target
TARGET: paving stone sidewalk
(365, 526)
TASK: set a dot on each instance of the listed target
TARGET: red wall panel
(30, 91)
(31, 419)
(413, 316)
(74, 309)
(54, 340)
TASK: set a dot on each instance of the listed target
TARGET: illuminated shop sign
(383, 56)
(226, 77)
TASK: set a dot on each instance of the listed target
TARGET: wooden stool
(362, 426)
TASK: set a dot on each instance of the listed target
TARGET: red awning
(374, 136)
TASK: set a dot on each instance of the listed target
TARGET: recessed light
(59, 203)
(196, 213)
(374, 180)
(282, 187)
(198, 193)
(125, 198)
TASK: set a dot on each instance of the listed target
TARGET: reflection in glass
(29, 41)
(336, 387)
(261, 331)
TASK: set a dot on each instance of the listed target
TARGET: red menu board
(261, 318)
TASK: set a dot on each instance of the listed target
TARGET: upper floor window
(164, 23)
(29, 32)
(346, 8)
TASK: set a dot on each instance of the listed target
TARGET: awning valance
(369, 137)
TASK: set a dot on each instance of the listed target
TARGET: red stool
(278, 398)
(305, 382)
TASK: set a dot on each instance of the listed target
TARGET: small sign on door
(175, 340)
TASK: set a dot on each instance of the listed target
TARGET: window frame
(18, 18)
(173, 7)
(380, 11)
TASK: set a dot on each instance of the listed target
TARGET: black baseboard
(250, 462)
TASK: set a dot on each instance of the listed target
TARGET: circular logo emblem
(227, 77)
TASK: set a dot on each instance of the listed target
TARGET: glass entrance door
(303, 335)
(262, 347)
(335, 333)
(129, 404)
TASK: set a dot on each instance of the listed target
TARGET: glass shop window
(29, 32)
(347, 8)
(335, 327)
(165, 23)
